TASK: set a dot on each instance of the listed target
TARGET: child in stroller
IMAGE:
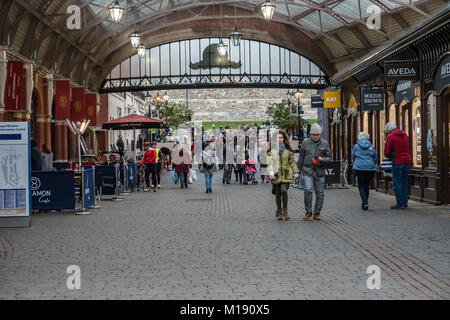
(250, 171)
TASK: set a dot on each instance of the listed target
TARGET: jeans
(314, 183)
(400, 180)
(208, 180)
(364, 179)
(183, 179)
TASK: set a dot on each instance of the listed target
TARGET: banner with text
(53, 190)
(332, 99)
(90, 100)
(442, 75)
(401, 71)
(372, 99)
(404, 91)
(14, 86)
(62, 99)
(78, 105)
(316, 101)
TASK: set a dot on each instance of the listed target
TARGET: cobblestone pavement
(186, 244)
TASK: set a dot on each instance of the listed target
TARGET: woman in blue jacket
(365, 159)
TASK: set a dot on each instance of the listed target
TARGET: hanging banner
(332, 99)
(316, 101)
(401, 71)
(372, 99)
(78, 106)
(62, 99)
(442, 75)
(352, 103)
(404, 91)
(14, 86)
(90, 100)
(15, 170)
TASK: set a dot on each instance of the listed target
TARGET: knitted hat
(316, 129)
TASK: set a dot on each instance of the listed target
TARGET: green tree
(173, 113)
(281, 113)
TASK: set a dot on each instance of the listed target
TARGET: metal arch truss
(196, 63)
(186, 81)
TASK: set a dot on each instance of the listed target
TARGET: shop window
(432, 147)
(416, 134)
(403, 117)
(366, 122)
(392, 117)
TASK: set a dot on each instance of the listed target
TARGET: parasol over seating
(134, 121)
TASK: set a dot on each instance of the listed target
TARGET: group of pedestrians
(151, 164)
(41, 161)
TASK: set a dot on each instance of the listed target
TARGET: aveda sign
(401, 71)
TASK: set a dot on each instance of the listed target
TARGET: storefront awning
(134, 121)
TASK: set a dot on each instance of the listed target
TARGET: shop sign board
(15, 168)
(408, 70)
(404, 91)
(316, 101)
(372, 99)
(442, 75)
(332, 99)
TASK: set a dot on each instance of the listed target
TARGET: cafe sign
(332, 99)
(372, 99)
(401, 71)
(442, 75)
(404, 91)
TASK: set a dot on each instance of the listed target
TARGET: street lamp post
(298, 95)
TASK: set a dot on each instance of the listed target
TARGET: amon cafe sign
(401, 70)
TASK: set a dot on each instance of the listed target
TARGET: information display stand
(15, 174)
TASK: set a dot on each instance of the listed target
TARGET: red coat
(149, 157)
(184, 160)
(397, 147)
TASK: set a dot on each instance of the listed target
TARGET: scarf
(281, 148)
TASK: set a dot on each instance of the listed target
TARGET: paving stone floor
(186, 244)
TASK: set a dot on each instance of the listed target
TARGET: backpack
(208, 161)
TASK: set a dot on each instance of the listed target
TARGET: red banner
(90, 100)
(78, 106)
(62, 99)
(14, 86)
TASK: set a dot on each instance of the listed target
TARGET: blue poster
(89, 188)
(131, 173)
(53, 190)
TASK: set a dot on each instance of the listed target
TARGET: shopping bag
(189, 179)
(194, 174)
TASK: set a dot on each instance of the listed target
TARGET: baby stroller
(250, 171)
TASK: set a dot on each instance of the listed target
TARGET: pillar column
(61, 139)
(3, 71)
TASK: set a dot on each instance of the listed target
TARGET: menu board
(14, 169)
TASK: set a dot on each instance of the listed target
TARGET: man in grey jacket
(314, 152)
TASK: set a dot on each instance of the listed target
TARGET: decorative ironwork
(252, 64)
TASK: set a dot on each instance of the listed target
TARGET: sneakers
(316, 216)
(307, 216)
